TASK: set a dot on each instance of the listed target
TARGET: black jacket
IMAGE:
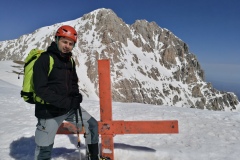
(58, 87)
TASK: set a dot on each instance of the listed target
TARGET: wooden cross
(108, 127)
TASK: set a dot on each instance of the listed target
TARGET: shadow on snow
(23, 149)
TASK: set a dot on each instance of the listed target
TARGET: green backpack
(27, 91)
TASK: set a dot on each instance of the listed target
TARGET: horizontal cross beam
(127, 127)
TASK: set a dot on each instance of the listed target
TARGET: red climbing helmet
(67, 31)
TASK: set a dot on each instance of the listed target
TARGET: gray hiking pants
(47, 129)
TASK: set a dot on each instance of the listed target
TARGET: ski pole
(78, 144)
(80, 114)
(84, 132)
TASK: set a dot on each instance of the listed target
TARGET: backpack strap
(51, 63)
(73, 63)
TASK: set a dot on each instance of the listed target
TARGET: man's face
(65, 45)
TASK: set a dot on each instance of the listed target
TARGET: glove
(79, 97)
(76, 100)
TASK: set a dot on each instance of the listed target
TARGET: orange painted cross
(108, 128)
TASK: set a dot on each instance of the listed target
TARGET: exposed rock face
(149, 64)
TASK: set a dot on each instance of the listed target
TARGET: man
(59, 94)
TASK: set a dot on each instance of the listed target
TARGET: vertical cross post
(105, 95)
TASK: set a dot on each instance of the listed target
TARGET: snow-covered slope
(149, 64)
(203, 134)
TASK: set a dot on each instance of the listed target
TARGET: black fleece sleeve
(40, 81)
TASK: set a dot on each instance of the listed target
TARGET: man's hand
(76, 100)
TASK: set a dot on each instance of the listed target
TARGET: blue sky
(211, 28)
